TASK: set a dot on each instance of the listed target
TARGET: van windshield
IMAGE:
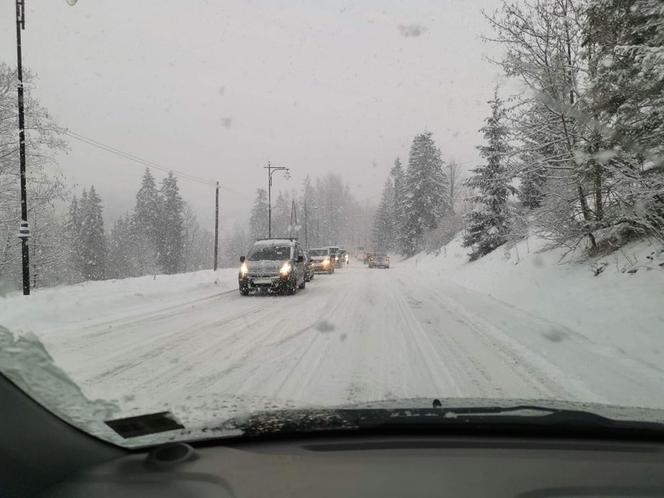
(272, 253)
(318, 252)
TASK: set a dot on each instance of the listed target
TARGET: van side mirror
(300, 259)
(242, 258)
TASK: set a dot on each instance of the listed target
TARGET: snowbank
(56, 308)
(616, 308)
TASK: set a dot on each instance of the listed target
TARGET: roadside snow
(90, 303)
(615, 308)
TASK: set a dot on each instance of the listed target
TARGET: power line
(136, 159)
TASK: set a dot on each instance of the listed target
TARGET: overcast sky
(217, 88)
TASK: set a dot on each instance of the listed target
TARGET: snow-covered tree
(281, 213)
(427, 189)
(121, 251)
(454, 182)
(49, 250)
(235, 245)
(72, 232)
(399, 208)
(258, 220)
(44, 183)
(488, 223)
(385, 221)
(531, 188)
(309, 206)
(170, 240)
(146, 225)
(198, 243)
(92, 238)
(625, 43)
(544, 46)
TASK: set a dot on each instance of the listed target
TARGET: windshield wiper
(495, 419)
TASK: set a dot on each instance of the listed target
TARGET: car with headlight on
(273, 265)
(379, 260)
(321, 259)
(335, 255)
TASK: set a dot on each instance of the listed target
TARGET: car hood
(265, 266)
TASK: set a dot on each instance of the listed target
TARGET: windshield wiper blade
(479, 418)
(535, 410)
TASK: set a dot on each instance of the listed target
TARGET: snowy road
(358, 335)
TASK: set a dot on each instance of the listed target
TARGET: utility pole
(216, 225)
(270, 171)
(24, 230)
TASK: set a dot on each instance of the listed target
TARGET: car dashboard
(421, 466)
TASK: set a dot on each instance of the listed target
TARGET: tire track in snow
(542, 376)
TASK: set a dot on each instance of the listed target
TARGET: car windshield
(211, 211)
(272, 253)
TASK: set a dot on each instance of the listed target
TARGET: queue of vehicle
(282, 265)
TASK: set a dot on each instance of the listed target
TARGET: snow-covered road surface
(356, 336)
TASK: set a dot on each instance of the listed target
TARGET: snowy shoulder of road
(622, 306)
(55, 308)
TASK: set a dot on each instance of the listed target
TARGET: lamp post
(24, 229)
(270, 171)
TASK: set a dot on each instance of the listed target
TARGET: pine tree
(92, 238)
(488, 222)
(198, 243)
(121, 262)
(426, 199)
(384, 224)
(146, 225)
(538, 152)
(170, 241)
(236, 245)
(281, 216)
(531, 188)
(309, 210)
(49, 250)
(399, 181)
(72, 234)
(626, 40)
(258, 219)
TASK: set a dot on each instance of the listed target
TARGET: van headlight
(326, 261)
(285, 269)
(244, 270)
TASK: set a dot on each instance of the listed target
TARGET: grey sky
(218, 88)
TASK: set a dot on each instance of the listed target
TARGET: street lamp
(270, 171)
(24, 229)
